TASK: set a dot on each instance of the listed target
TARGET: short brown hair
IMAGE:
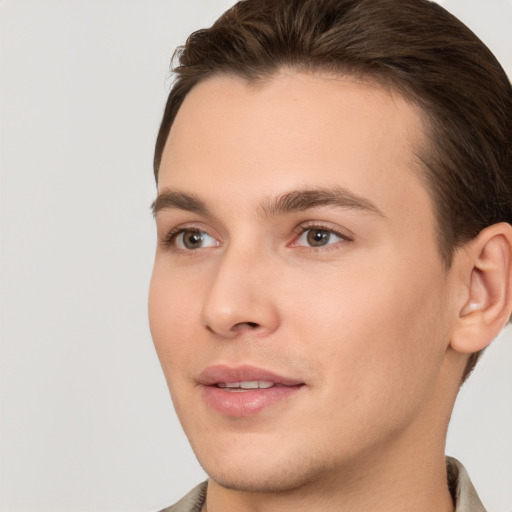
(413, 46)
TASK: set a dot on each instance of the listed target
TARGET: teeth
(248, 384)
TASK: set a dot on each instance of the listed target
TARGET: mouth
(246, 385)
(244, 391)
(243, 377)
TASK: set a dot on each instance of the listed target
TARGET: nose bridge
(240, 295)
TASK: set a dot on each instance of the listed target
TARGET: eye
(190, 239)
(318, 237)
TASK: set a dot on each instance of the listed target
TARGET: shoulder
(191, 502)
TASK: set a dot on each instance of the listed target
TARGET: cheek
(380, 334)
(173, 310)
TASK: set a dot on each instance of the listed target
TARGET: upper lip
(222, 373)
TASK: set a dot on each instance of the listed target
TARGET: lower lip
(242, 404)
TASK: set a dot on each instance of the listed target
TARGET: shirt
(464, 494)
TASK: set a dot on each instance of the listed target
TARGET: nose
(240, 297)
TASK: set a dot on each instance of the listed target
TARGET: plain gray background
(86, 423)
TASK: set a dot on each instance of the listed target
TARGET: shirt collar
(464, 494)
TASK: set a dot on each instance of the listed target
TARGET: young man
(334, 199)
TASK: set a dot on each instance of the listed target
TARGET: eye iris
(192, 239)
(318, 237)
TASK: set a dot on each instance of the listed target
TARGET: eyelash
(169, 241)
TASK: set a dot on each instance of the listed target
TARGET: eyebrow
(306, 199)
(288, 202)
(174, 200)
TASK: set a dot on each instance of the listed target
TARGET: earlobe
(488, 304)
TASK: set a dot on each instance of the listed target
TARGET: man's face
(297, 251)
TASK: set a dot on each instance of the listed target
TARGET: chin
(280, 473)
(277, 480)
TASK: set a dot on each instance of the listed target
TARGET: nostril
(236, 328)
(251, 325)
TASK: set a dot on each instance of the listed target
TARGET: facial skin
(363, 322)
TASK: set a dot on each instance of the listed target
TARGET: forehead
(295, 130)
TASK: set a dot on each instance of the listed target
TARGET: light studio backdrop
(86, 421)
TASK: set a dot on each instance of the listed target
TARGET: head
(403, 86)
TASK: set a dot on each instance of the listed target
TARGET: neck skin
(406, 474)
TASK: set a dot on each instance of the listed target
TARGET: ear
(486, 275)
